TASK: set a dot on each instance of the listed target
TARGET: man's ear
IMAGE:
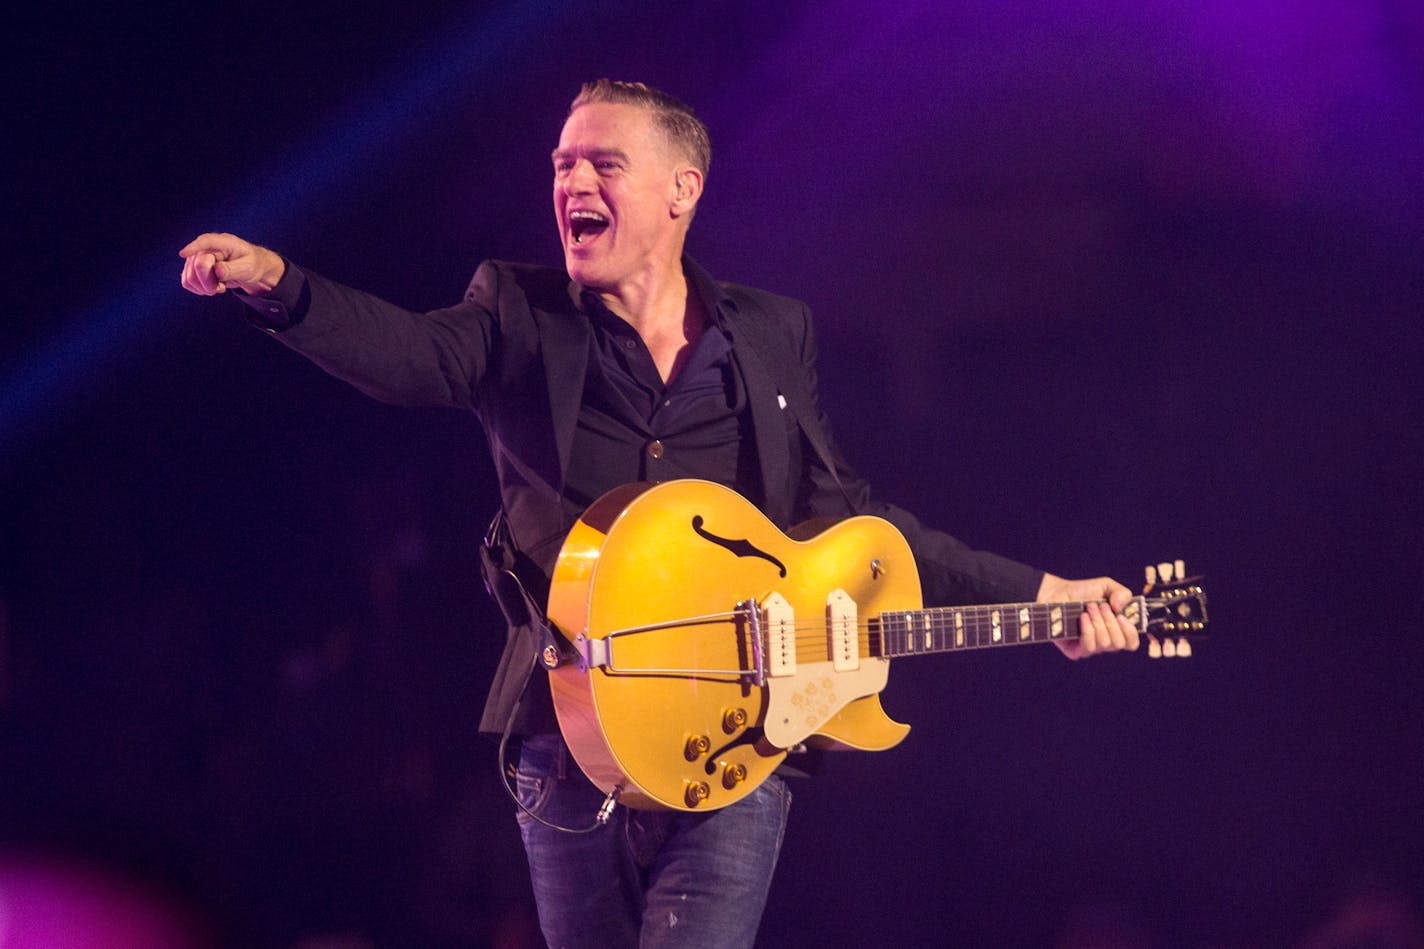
(687, 190)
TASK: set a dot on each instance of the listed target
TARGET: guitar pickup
(842, 638)
(778, 622)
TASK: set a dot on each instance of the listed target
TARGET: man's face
(615, 185)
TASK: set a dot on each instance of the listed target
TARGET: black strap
(787, 375)
(815, 436)
(498, 561)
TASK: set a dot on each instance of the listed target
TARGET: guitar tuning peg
(1165, 569)
(1184, 648)
(1169, 648)
(1181, 567)
(1154, 648)
(1151, 579)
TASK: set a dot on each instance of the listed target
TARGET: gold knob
(696, 793)
(733, 775)
(696, 747)
(733, 719)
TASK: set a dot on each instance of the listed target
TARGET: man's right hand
(216, 262)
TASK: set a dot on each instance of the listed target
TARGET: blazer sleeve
(435, 358)
(951, 572)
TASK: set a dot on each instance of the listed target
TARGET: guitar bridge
(752, 612)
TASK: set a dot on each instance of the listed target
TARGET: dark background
(1098, 284)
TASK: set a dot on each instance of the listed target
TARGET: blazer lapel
(768, 413)
(564, 339)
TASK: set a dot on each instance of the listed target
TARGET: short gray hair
(673, 117)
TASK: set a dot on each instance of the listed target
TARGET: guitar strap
(498, 557)
(815, 436)
(498, 560)
(787, 374)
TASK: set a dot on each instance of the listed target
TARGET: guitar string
(809, 636)
(970, 615)
(978, 615)
(976, 629)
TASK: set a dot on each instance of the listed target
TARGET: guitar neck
(955, 628)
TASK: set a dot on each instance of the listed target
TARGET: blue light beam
(39, 386)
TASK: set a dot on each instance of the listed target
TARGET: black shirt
(634, 427)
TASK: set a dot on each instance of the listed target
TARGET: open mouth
(586, 224)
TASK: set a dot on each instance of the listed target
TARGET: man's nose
(580, 179)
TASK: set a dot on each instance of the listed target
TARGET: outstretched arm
(214, 263)
(1100, 628)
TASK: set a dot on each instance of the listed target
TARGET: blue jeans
(646, 878)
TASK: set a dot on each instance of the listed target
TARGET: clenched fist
(213, 263)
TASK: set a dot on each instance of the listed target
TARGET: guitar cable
(508, 772)
(497, 560)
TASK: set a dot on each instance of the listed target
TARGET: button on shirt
(633, 427)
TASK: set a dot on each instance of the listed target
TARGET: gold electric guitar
(703, 644)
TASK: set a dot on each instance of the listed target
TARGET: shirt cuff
(282, 307)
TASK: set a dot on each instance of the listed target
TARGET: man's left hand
(1101, 627)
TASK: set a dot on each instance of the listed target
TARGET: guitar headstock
(1173, 607)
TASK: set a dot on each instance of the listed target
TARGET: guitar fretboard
(945, 629)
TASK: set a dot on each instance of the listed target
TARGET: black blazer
(515, 351)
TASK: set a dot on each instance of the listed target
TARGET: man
(629, 365)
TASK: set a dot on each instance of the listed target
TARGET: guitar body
(680, 697)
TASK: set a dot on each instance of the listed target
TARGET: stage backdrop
(1097, 284)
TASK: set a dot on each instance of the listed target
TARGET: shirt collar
(699, 282)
